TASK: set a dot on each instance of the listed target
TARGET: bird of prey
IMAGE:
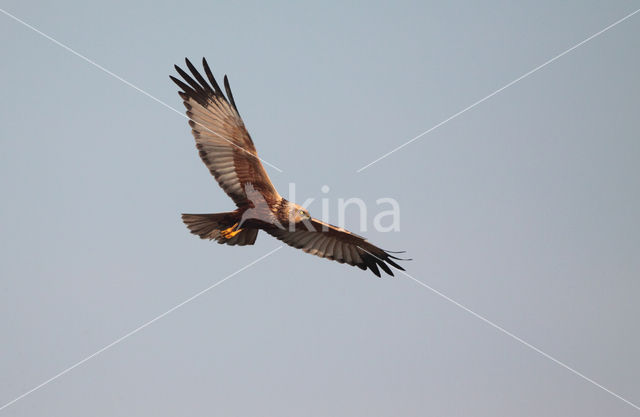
(226, 148)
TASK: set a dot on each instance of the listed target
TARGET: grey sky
(525, 209)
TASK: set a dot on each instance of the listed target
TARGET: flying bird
(226, 148)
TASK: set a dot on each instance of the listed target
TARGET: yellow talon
(229, 233)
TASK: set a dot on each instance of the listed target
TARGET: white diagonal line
(137, 329)
(524, 342)
(499, 90)
(511, 335)
(116, 76)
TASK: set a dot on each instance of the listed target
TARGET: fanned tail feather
(209, 226)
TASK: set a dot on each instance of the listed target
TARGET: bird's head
(297, 213)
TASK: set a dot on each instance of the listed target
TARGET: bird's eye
(302, 212)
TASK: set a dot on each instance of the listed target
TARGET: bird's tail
(220, 226)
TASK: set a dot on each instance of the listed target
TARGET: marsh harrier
(230, 155)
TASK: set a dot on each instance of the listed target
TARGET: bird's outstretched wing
(331, 242)
(225, 145)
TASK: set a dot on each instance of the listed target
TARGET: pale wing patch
(216, 150)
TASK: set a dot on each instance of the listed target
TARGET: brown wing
(224, 143)
(331, 242)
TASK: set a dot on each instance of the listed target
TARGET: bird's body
(228, 151)
(267, 217)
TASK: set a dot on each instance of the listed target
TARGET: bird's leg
(230, 232)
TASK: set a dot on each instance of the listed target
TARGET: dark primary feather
(227, 87)
(210, 76)
(201, 90)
